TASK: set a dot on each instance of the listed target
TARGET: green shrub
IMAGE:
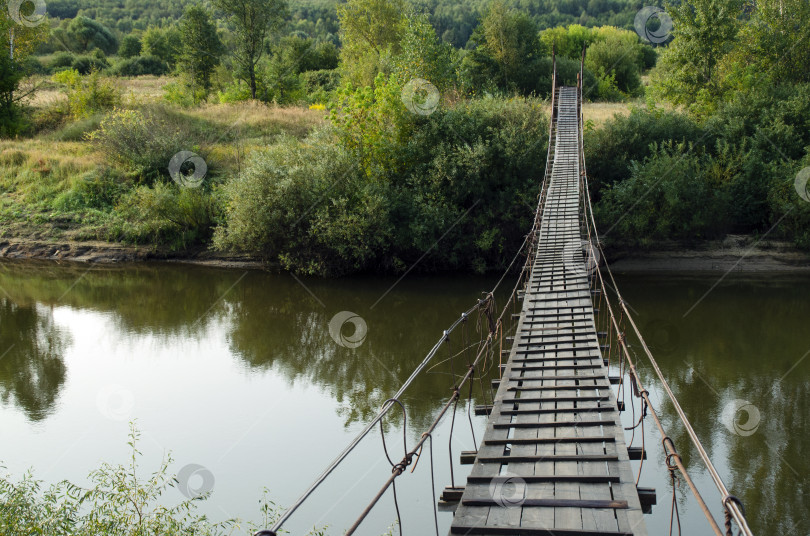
(182, 95)
(273, 208)
(87, 64)
(130, 47)
(610, 150)
(12, 119)
(31, 65)
(325, 79)
(672, 194)
(79, 129)
(142, 142)
(88, 94)
(118, 502)
(236, 91)
(98, 190)
(140, 66)
(165, 214)
(385, 186)
(60, 61)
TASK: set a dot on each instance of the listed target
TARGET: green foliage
(117, 502)
(253, 21)
(84, 35)
(381, 188)
(60, 61)
(88, 95)
(142, 65)
(99, 190)
(164, 213)
(370, 32)
(422, 55)
(567, 41)
(272, 208)
(235, 92)
(743, 160)
(32, 66)
(617, 57)
(182, 95)
(11, 120)
(130, 47)
(705, 32)
(201, 50)
(507, 53)
(320, 81)
(281, 79)
(610, 150)
(142, 142)
(86, 64)
(162, 43)
(670, 195)
(13, 69)
(77, 130)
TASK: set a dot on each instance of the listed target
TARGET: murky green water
(237, 372)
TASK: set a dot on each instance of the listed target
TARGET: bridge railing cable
(731, 504)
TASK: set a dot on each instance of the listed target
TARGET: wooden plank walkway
(553, 458)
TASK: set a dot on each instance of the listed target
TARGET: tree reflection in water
(31, 365)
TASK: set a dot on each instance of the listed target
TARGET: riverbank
(737, 253)
(96, 252)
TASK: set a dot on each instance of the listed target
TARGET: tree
(424, 56)
(162, 43)
(130, 47)
(507, 51)
(567, 41)
(253, 21)
(370, 31)
(201, 48)
(25, 38)
(704, 32)
(86, 34)
(618, 56)
(774, 44)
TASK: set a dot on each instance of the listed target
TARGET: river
(235, 373)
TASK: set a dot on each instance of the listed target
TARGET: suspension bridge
(553, 459)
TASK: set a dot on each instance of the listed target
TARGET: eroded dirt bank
(735, 253)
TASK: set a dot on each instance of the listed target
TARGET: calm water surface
(237, 372)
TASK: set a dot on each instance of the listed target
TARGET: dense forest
(454, 21)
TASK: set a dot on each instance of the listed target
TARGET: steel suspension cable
(732, 505)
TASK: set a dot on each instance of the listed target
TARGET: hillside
(454, 20)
